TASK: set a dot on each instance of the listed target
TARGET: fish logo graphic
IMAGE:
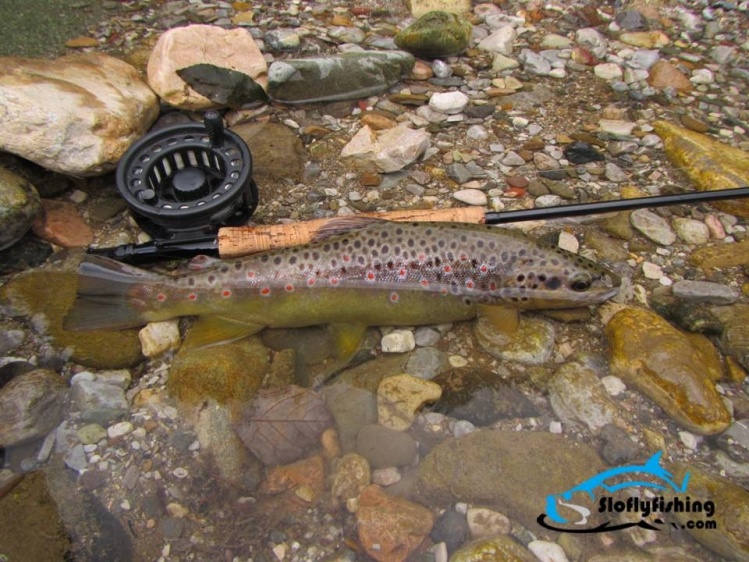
(649, 475)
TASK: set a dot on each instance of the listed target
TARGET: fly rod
(238, 241)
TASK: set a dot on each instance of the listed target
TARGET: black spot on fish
(343, 271)
(326, 248)
(522, 252)
(305, 255)
(211, 278)
(191, 281)
(479, 243)
(224, 269)
(277, 260)
(390, 264)
(428, 232)
(378, 266)
(315, 255)
(292, 260)
(385, 249)
(399, 231)
(520, 278)
(410, 243)
(264, 259)
(371, 242)
(357, 244)
(238, 265)
(554, 283)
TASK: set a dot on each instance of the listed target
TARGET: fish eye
(580, 283)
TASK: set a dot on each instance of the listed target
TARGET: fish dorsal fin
(216, 330)
(503, 319)
(339, 225)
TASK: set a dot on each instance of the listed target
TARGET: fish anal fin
(216, 330)
(347, 339)
(505, 320)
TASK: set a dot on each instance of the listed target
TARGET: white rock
(158, 337)
(77, 114)
(547, 551)
(554, 41)
(616, 126)
(568, 242)
(420, 7)
(651, 270)
(389, 150)
(702, 76)
(181, 47)
(608, 71)
(558, 73)
(691, 231)
(398, 341)
(501, 62)
(471, 197)
(689, 440)
(613, 385)
(386, 476)
(119, 429)
(448, 102)
(594, 41)
(484, 523)
(500, 41)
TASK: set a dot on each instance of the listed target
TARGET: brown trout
(363, 273)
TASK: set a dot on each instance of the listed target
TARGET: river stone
(731, 537)
(734, 340)
(721, 255)
(385, 151)
(342, 77)
(469, 468)
(400, 397)
(351, 474)
(30, 406)
(675, 369)
(502, 548)
(182, 47)
(47, 296)
(99, 402)
(709, 163)
(436, 34)
(19, 206)
(577, 395)
(420, 7)
(277, 151)
(77, 114)
(691, 231)
(652, 226)
(384, 447)
(705, 291)
(390, 528)
(532, 343)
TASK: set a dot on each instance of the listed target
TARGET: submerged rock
(734, 339)
(730, 537)
(436, 34)
(277, 151)
(30, 406)
(710, 164)
(47, 296)
(467, 469)
(675, 369)
(19, 206)
(342, 77)
(502, 548)
(77, 114)
(386, 151)
(532, 343)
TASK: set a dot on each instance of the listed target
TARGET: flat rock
(466, 469)
(390, 528)
(277, 151)
(77, 114)
(31, 406)
(500, 41)
(493, 549)
(436, 34)
(705, 291)
(19, 206)
(653, 227)
(721, 255)
(99, 402)
(675, 369)
(184, 47)
(532, 343)
(351, 474)
(341, 77)
(734, 339)
(471, 197)
(709, 163)
(386, 151)
(448, 102)
(62, 224)
(400, 397)
(664, 75)
(691, 231)
(383, 447)
(420, 7)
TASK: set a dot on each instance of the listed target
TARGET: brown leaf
(282, 425)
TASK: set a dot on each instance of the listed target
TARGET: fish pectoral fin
(216, 330)
(347, 338)
(505, 320)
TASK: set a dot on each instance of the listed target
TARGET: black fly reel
(182, 183)
(188, 179)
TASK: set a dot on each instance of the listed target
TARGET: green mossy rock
(436, 34)
(49, 295)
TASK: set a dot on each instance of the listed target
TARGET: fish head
(548, 277)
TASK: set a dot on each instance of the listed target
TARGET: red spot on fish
(250, 275)
(226, 293)
(469, 284)
(161, 297)
(447, 269)
(192, 296)
(484, 268)
(422, 257)
(346, 258)
(492, 286)
(394, 297)
(402, 273)
(443, 290)
(265, 291)
(424, 283)
(289, 288)
(370, 276)
(463, 257)
(310, 281)
(334, 281)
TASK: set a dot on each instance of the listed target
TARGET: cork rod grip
(242, 240)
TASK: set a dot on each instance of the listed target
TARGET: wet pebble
(451, 528)
(532, 343)
(705, 291)
(31, 405)
(653, 226)
(398, 341)
(400, 397)
(99, 402)
(485, 523)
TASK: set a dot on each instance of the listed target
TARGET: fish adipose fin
(104, 299)
(504, 320)
(216, 330)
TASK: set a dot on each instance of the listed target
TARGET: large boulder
(183, 47)
(77, 114)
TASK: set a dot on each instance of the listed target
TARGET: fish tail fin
(104, 299)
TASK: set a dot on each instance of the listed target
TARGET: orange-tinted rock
(390, 528)
(306, 472)
(62, 225)
(664, 74)
(674, 369)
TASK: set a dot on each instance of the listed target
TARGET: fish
(355, 274)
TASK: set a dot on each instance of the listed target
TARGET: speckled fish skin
(384, 273)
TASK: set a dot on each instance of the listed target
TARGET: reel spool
(185, 181)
